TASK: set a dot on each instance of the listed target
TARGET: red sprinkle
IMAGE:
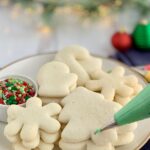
(1, 101)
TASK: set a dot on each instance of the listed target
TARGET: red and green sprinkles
(15, 91)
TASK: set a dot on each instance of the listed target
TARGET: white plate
(30, 66)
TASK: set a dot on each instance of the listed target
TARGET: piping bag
(137, 109)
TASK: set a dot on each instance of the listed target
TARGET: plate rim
(96, 55)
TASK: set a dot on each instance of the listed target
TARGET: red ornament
(122, 41)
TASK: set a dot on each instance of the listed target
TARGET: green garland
(88, 7)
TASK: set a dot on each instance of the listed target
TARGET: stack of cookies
(82, 114)
(34, 126)
(125, 134)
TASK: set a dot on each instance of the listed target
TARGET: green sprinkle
(9, 88)
(22, 90)
(12, 98)
(8, 84)
(9, 102)
(3, 96)
(14, 88)
(27, 97)
(97, 131)
(13, 81)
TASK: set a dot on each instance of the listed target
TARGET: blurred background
(111, 28)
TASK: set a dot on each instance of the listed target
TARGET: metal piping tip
(112, 125)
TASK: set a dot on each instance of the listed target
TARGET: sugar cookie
(47, 100)
(72, 146)
(55, 80)
(111, 84)
(127, 128)
(92, 146)
(49, 138)
(124, 139)
(27, 121)
(84, 111)
(79, 61)
(105, 137)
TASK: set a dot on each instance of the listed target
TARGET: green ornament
(141, 35)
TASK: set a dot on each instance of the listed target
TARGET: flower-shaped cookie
(83, 112)
(79, 61)
(24, 123)
(113, 83)
(46, 142)
(55, 80)
(42, 146)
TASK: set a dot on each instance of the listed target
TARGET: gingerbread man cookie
(113, 83)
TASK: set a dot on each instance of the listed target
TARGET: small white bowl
(3, 108)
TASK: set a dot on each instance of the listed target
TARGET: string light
(45, 30)
(15, 13)
(4, 2)
(29, 11)
(118, 2)
(37, 8)
(103, 10)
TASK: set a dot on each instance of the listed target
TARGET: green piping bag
(137, 109)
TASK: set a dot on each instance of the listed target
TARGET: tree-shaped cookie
(113, 83)
(26, 122)
(79, 61)
(83, 112)
(55, 80)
